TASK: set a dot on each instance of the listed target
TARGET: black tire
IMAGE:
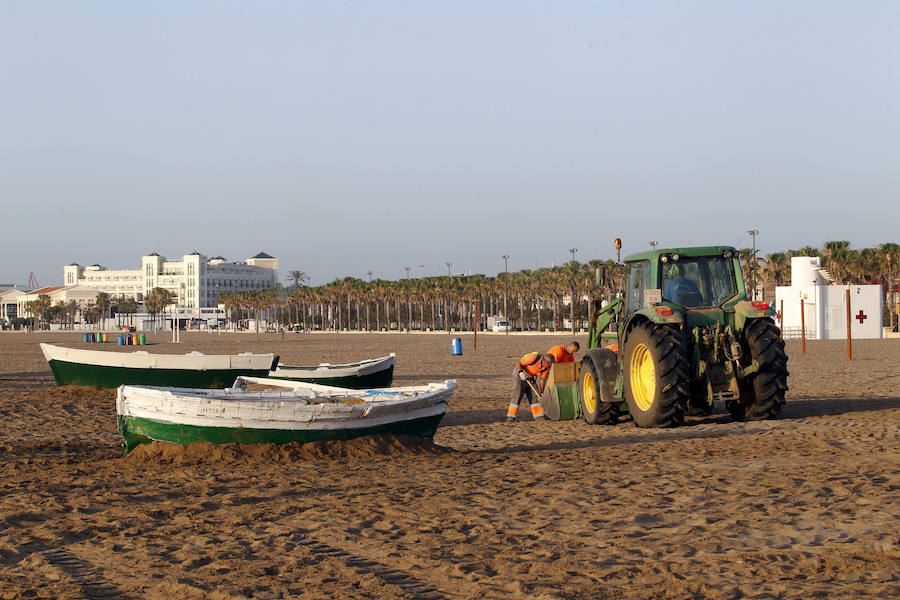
(762, 393)
(657, 399)
(591, 391)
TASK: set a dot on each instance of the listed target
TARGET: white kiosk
(825, 305)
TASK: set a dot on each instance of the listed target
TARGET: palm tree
(297, 278)
(102, 304)
(890, 263)
(156, 301)
(804, 251)
(127, 306)
(41, 308)
(838, 259)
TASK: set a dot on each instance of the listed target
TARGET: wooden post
(802, 328)
(475, 336)
(849, 340)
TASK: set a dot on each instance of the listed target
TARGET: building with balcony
(194, 281)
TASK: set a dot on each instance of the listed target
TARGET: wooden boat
(366, 374)
(75, 366)
(295, 412)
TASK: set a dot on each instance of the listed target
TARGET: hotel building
(195, 281)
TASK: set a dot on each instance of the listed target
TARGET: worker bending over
(564, 354)
(531, 371)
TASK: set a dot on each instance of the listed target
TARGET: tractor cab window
(638, 281)
(699, 281)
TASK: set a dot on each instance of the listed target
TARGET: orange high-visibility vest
(531, 364)
(560, 355)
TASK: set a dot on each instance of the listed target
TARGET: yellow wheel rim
(589, 393)
(643, 377)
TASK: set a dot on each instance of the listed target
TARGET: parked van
(501, 326)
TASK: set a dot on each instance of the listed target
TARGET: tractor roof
(693, 251)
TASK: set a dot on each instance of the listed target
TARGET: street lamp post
(447, 312)
(653, 245)
(572, 292)
(753, 233)
(408, 306)
(505, 258)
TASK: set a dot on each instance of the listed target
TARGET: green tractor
(687, 336)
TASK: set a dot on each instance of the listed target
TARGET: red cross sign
(861, 316)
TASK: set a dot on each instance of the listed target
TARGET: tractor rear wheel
(656, 375)
(762, 394)
(594, 410)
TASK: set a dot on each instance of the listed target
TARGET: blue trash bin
(87, 337)
(121, 340)
(456, 347)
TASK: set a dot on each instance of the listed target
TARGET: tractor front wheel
(656, 375)
(762, 394)
(593, 408)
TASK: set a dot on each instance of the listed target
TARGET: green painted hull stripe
(69, 373)
(379, 379)
(138, 430)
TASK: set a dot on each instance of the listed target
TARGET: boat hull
(138, 430)
(68, 373)
(379, 379)
(283, 412)
(369, 374)
(76, 366)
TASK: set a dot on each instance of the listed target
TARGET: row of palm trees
(537, 299)
(880, 264)
(529, 299)
(95, 311)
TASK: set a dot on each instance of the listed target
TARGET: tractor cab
(684, 278)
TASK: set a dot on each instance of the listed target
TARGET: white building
(195, 281)
(825, 305)
(14, 303)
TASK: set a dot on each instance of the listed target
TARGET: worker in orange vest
(531, 370)
(563, 354)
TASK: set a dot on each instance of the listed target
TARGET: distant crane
(32, 282)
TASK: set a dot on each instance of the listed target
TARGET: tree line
(534, 299)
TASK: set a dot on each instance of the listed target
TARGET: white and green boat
(366, 374)
(76, 366)
(295, 412)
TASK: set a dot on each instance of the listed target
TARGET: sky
(348, 137)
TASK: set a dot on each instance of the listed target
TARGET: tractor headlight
(676, 257)
(664, 258)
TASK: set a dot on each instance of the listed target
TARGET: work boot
(510, 419)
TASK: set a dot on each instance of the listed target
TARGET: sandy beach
(807, 506)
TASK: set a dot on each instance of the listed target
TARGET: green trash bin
(142, 340)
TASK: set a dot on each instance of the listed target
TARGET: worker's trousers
(521, 390)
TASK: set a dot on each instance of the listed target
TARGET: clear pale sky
(347, 137)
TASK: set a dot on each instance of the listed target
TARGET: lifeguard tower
(824, 312)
